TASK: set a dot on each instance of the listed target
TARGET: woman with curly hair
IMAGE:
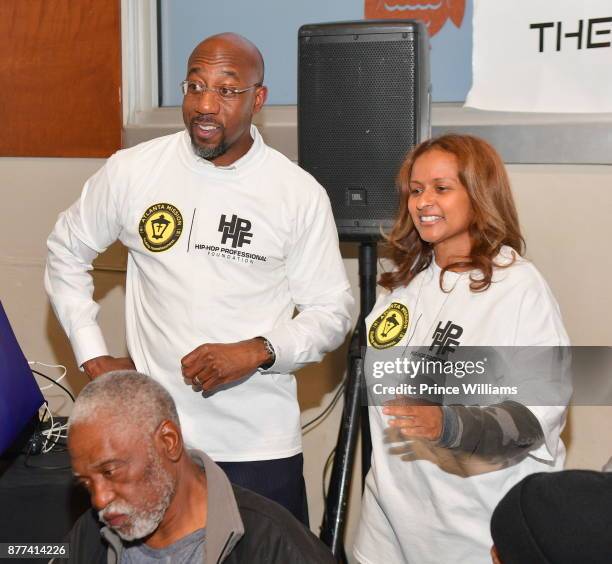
(459, 280)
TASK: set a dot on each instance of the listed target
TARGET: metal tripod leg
(336, 504)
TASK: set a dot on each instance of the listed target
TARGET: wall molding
(521, 138)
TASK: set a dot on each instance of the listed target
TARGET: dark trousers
(281, 480)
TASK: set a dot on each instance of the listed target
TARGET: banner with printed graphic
(542, 56)
(433, 14)
(449, 24)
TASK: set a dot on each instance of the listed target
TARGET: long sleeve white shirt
(419, 505)
(216, 255)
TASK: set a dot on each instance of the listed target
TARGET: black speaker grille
(357, 120)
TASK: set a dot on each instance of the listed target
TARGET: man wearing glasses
(226, 239)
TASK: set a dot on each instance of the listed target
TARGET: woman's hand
(415, 419)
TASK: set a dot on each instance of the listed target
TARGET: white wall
(565, 212)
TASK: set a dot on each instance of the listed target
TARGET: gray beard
(209, 153)
(144, 520)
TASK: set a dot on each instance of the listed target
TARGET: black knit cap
(556, 518)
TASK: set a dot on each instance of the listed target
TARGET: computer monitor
(20, 396)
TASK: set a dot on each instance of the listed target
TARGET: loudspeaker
(364, 101)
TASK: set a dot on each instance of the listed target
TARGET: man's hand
(102, 364)
(415, 419)
(212, 365)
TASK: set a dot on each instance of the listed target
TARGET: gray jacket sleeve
(497, 432)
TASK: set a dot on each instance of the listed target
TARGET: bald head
(233, 43)
(223, 90)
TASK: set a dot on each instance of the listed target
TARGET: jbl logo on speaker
(356, 197)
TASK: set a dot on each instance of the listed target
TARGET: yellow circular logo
(160, 227)
(389, 327)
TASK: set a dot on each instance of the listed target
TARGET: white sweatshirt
(419, 505)
(216, 255)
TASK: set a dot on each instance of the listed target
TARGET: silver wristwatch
(271, 353)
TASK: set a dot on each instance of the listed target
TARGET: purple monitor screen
(20, 396)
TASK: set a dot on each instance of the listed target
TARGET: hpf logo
(446, 338)
(237, 230)
(433, 14)
(389, 327)
(160, 227)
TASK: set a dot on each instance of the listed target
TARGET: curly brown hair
(494, 222)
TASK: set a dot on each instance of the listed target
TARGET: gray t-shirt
(188, 550)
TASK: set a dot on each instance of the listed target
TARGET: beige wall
(565, 212)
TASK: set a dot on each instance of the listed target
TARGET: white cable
(54, 433)
(51, 442)
(47, 411)
(36, 362)
(57, 430)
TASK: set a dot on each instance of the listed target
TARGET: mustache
(115, 507)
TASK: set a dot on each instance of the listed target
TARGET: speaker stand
(355, 401)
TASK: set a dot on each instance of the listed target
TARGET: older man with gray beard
(159, 503)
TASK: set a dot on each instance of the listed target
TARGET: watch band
(271, 353)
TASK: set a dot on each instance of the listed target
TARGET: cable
(34, 362)
(325, 469)
(55, 382)
(45, 450)
(56, 428)
(56, 431)
(334, 401)
(327, 410)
